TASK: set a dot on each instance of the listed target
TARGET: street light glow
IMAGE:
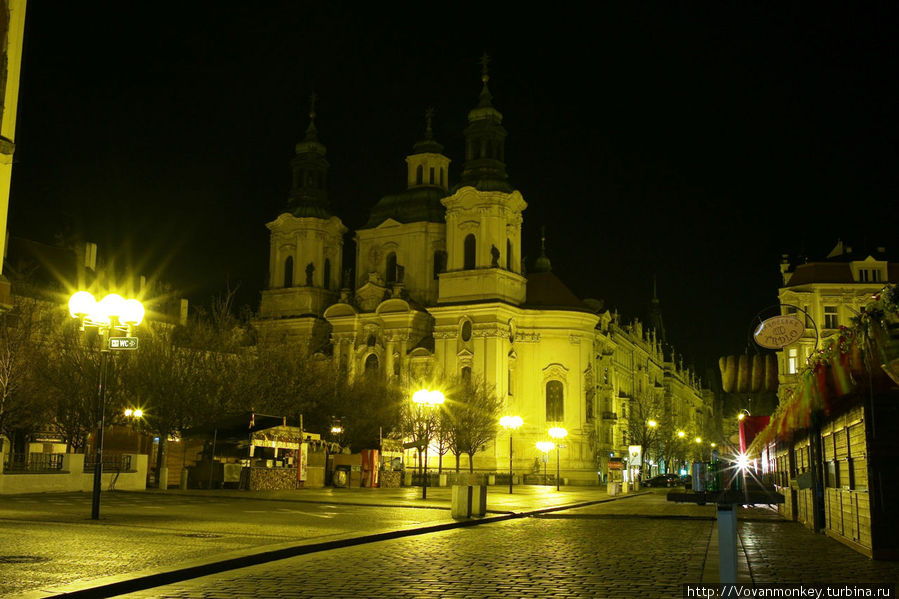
(681, 434)
(698, 439)
(511, 422)
(428, 397)
(652, 423)
(557, 432)
(545, 446)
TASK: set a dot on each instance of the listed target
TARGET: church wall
(414, 245)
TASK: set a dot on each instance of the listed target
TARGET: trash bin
(341, 476)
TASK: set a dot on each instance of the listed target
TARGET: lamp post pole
(511, 423)
(112, 313)
(545, 447)
(558, 433)
(101, 424)
(425, 398)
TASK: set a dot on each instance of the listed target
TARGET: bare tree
(473, 410)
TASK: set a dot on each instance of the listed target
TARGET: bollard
(461, 502)
(479, 500)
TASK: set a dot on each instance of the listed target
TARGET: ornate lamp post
(558, 433)
(426, 399)
(511, 423)
(545, 447)
(112, 313)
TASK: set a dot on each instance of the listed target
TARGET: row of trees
(193, 375)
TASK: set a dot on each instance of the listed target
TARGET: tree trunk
(471, 463)
(457, 456)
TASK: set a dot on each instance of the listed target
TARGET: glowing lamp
(81, 304)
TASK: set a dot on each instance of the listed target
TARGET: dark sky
(694, 144)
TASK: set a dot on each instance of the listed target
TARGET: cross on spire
(312, 99)
(429, 116)
(485, 60)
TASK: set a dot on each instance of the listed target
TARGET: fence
(32, 462)
(115, 462)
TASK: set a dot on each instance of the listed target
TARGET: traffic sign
(123, 343)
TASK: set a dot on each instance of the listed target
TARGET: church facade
(440, 288)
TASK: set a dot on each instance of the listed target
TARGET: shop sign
(616, 464)
(778, 332)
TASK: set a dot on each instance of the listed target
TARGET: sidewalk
(524, 498)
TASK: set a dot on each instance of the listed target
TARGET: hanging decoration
(861, 357)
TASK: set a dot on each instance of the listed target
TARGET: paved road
(49, 540)
(638, 547)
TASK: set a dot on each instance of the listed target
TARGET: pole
(101, 417)
(558, 480)
(510, 462)
(424, 483)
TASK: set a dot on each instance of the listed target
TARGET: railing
(116, 462)
(32, 462)
(609, 416)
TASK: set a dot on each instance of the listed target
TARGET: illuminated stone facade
(440, 289)
(826, 294)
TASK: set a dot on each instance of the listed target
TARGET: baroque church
(440, 286)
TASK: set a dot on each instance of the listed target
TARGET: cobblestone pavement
(643, 547)
(49, 540)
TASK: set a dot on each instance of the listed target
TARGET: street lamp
(558, 433)
(545, 447)
(112, 313)
(427, 399)
(512, 423)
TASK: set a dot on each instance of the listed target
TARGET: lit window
(792, 361)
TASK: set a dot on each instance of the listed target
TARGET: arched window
(326, 274)
(439, 263)
(555, 401)
(470, 245)
(390, 271)
(431, 176)
(371, 364)
(441, 175)
(288, 271)
(465, 331)
(419, 175)
(508, 254)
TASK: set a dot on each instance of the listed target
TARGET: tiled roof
(546, 290)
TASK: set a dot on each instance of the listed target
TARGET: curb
(147, 581)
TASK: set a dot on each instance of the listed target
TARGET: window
(371, 364)
(509, 386)
(466, 374)
(419, 175)
(831, 321)
(554, 401)
(792, 361)
(288, 272)
(868, 275)
(327, 274)
(441, 175)
(431, 177)
(508, 254)
(466, 331)
(390, 270)
(470, 245)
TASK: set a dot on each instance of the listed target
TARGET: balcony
(609, 416)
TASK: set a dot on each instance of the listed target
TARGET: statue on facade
(310, 268)
(494, 257)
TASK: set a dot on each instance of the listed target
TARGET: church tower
(402, 248)
(306, 250)
(483, 215)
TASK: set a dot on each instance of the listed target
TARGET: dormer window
(869, 275)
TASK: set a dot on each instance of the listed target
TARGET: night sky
(692, 144)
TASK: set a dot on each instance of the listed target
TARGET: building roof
(832, 272)
(545, 290)
(419, 204)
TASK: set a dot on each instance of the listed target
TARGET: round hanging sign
(778, 332)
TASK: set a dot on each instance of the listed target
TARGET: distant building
(827, 294)
(440, 287)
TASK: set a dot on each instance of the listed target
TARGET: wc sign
(123, 343)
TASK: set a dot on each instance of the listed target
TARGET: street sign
(123, 343)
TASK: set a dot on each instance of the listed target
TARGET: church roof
(419, 204)
(546, 290)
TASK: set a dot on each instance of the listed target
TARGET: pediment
(392, 306)
(389, 223)
(339, 310)
(369, 296)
